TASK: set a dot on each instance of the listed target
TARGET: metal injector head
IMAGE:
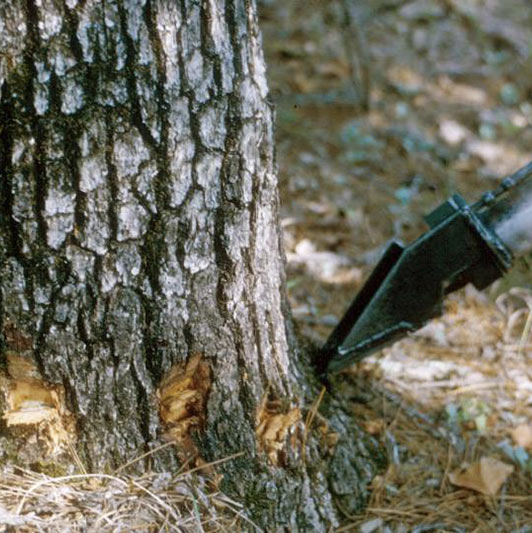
(464, 244)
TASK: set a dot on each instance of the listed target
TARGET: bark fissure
(144, 412)
(38, 129)
(11, 231)
(163, 175)
(131, 82)
(71, 23)
(111, 178)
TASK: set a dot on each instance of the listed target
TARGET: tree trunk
(142, 292)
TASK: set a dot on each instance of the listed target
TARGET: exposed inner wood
(36, 405)
(182, 399)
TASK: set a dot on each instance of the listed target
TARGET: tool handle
(509, 213)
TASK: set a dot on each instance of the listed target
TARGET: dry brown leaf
(522, 435)
(485, 476)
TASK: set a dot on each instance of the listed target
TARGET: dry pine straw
(414, 494)
(417, 492)
(183, 502)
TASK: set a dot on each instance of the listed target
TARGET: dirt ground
(450, 110)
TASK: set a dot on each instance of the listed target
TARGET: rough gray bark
(139, 230)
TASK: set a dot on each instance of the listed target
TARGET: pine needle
(308, 421)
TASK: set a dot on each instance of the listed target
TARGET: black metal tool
(465, 244)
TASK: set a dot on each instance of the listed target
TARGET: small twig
(105, 517)
(213, 463)
(231, 504)
(476, 386)
(525, 334)
(143, 456)
(447, 469)
(76, 457)
(380, 510)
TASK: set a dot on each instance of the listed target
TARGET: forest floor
(450, 111)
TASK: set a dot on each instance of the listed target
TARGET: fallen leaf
(485, 476)
(522, 435)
